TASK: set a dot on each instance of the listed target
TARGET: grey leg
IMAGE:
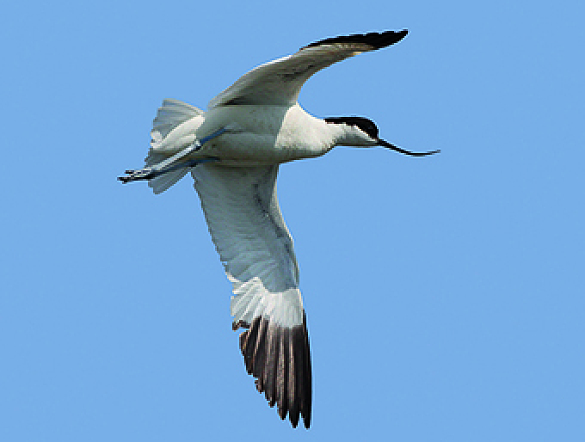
(171, 163)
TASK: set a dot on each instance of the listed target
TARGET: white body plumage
(254, 135)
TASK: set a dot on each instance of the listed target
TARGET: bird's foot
(135, 175)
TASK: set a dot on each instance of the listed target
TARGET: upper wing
(279, 82)
(256, 249)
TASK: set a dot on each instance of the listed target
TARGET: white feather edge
(253, 300)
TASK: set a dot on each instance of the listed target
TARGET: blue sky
(445, 295)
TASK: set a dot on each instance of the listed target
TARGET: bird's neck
(343, 135)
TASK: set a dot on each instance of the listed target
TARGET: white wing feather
(279, 82)
(256, 249)
(254, 244)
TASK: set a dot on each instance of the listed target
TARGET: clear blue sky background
(445, 295)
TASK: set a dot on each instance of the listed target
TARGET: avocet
(233, 152)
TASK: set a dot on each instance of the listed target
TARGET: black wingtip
(279, 357)
(376, 40)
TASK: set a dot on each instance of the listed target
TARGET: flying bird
(233, 152)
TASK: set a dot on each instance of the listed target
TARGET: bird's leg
(172, 163)
(161, 168)
(148, 173)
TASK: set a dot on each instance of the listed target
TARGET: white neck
(344, 135)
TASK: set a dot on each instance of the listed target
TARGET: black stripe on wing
(280, 360)
(376, 40)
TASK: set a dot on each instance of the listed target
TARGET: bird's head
(359, 131)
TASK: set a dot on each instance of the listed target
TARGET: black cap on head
(370, 128)
(365, 125)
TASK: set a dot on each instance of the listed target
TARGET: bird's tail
(171, 114)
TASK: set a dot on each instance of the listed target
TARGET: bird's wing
(256, 248)
(279, 82)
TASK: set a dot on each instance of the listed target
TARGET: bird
(233, 152)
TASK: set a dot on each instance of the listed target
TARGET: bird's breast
(261, 135)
